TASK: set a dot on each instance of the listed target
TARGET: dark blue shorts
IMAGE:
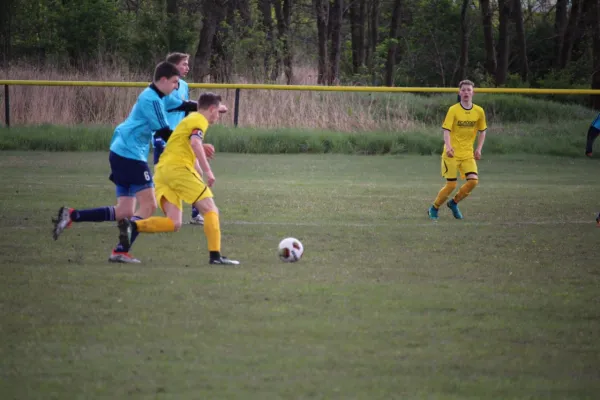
(130, 176)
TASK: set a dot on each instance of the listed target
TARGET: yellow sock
(212, 230)
(444, 193)
(465, 189)
(155, 225)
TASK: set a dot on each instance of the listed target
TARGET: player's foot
(598, 220)
(433, 213)
(223, 261)
(125, 258)
(62, 221)
(454, 207)
(588, 153)
(125, 230)
(197, 220)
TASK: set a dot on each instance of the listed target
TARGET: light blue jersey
(132, 137)
(182, 93)
(596, 122)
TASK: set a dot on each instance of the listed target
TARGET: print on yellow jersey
(178, 151)
(463, 125)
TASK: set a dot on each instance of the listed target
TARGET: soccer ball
(290, 250)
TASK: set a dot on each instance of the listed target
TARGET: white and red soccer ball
(290, 250)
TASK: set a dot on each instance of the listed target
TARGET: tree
(213, 14)
(393, 43)
(569, 34)
(521, 40)
(464, 41)
(283, 13)
(322, 14)
(357, 31)
(560, 25)
(488, 37)
(335, 34)
(373, 37)
(505, 8)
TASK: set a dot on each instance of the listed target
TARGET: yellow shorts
(177, 184)
(451, 167)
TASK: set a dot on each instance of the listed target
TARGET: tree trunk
(6, 15)
(464, 42)
(357, 30)
(213, 14)
(173, 19)
(594, 29)
(569, 34)
(283, 13)
(521, 40)
(393, 46)
(560, 24)
(503, 41)
(335, 19)
(373, 34)
(322, 11)
(488, 37)
(269, 62)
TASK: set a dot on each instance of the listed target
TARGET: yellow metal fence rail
(250, 86)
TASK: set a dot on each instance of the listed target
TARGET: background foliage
(370, 42)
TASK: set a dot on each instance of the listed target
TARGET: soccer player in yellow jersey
(462, 122)
(177, 180)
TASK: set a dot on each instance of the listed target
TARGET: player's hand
(209, 150)
(449, 152)
(210, 179)
(477, 154)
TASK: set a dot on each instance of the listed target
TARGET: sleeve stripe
(159, 115)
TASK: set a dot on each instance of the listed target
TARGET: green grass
(565, 138)
(384, 304)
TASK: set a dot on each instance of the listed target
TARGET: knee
(451, 184)
(473, 182)
(146, 210)
(122, 212)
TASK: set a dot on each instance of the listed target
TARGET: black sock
(215, 255)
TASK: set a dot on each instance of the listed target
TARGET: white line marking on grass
(455, 224)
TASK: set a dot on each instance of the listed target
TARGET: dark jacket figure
(593, 133)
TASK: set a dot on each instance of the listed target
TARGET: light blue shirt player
(172, 101)
(132, 137)
(174, 116)
(130, 143)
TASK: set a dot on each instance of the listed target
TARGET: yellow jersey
(463, 125)
(178, 151)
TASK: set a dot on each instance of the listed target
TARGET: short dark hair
(176, 58)
(165, 69)
(208, 99)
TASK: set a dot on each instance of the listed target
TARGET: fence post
(6, 107)
(236, 108)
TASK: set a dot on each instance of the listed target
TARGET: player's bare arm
(449, 148)
(480, 141)
(198, 148)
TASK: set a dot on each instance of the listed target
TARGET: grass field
(384, 304)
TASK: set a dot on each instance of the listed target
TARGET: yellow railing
(251, 86)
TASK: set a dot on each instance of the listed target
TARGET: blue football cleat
(433, 213)
(454, 207)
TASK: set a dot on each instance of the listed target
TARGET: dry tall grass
(346, 112)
